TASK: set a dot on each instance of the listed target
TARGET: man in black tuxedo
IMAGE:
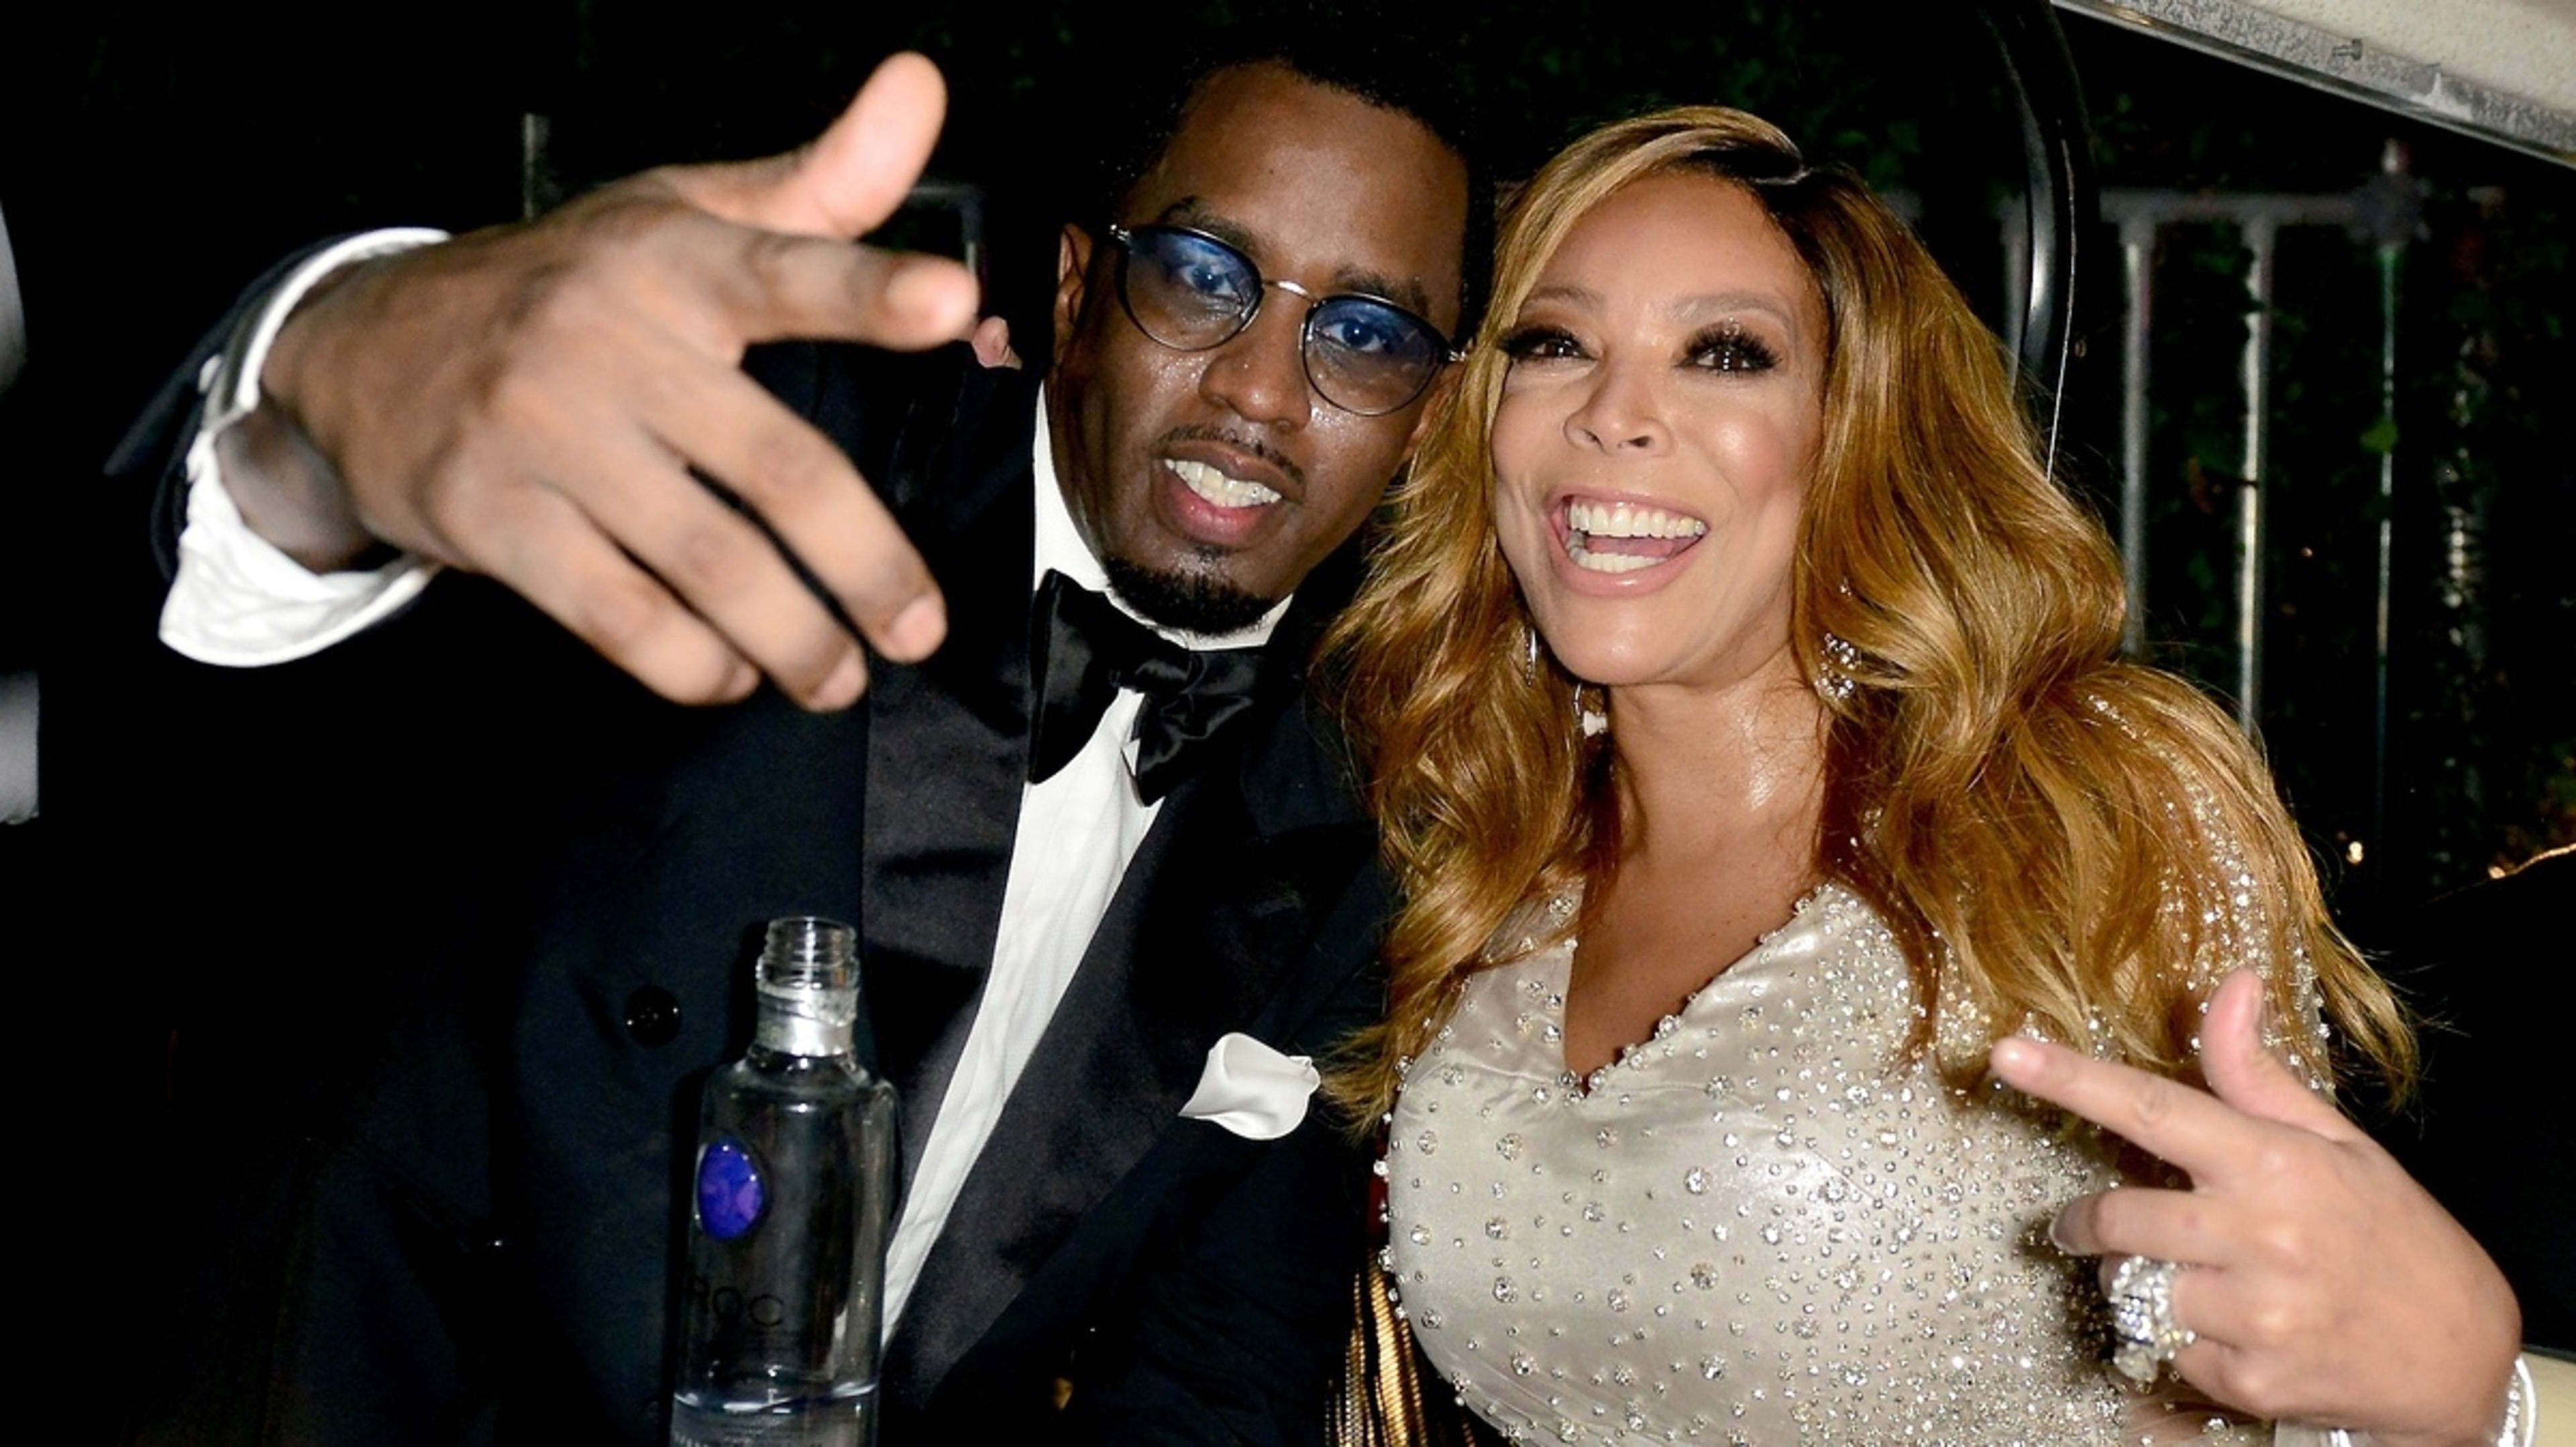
(452, 1213)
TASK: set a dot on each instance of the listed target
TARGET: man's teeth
(1627, 520)
(1218, 488)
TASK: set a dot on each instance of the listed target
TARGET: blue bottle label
(731, 1194)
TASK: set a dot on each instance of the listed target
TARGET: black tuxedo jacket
(432, 1152)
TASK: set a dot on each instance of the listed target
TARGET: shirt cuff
(241, 603)
(237, 600)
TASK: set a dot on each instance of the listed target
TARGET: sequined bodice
(1757, 1226)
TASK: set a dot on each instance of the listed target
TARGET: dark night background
(156, 156)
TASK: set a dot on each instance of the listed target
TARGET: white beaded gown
(1758, 1226)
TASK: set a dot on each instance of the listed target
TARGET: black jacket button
(653, 1015)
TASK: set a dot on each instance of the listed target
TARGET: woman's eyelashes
(1540, 343)
(1725, 347)
(1728, 347)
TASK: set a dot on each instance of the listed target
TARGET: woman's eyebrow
(1582, 296)
(1704, 303)
(1685, 308)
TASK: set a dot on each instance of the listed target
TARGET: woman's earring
(1592, 721)
(1837, 662)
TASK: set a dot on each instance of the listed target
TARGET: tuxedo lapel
(1210, 925)
(948, 739)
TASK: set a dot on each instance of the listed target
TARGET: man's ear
(1072, 278)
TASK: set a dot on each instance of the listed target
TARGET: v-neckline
(1582, 1087)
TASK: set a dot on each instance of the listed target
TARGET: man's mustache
(1240, 442)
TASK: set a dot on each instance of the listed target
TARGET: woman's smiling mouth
(1605, 536)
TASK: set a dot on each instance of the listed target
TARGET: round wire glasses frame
(1192, 292)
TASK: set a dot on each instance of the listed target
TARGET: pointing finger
(772, 286)
(808, 493)
(2189, 1128)
(721, 566)
(536, 542)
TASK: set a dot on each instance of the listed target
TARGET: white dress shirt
(239, 601)
(1076, 833)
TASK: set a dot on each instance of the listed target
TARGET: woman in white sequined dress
(1751, 740)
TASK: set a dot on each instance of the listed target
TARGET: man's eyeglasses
(1192, 292)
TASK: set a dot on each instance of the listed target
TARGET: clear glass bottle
(787, 1235)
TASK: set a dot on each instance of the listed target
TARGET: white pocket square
(1253, 1090)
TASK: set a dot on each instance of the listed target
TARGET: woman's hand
(2325, 1285)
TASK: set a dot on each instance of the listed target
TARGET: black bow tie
(1083, 650)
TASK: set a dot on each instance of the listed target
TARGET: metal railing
(2383, 213)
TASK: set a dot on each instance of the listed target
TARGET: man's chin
(1193, 602)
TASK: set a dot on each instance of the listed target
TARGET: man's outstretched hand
(527, 402)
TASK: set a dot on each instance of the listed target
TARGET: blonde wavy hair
(2056, 837)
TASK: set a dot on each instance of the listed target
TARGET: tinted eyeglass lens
(1187, 291)
(1368, 356)
(1192, 292)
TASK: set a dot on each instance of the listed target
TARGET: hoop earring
(1594, 722)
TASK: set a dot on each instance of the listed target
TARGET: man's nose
(1259, 374)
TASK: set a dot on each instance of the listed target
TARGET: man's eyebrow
(1405, 292)
(1193, 212)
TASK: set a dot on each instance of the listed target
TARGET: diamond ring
(2142, 1318)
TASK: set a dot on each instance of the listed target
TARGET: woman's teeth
(1218, 488)
(1628, 520)
(1649, 535)
(1590, 561)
